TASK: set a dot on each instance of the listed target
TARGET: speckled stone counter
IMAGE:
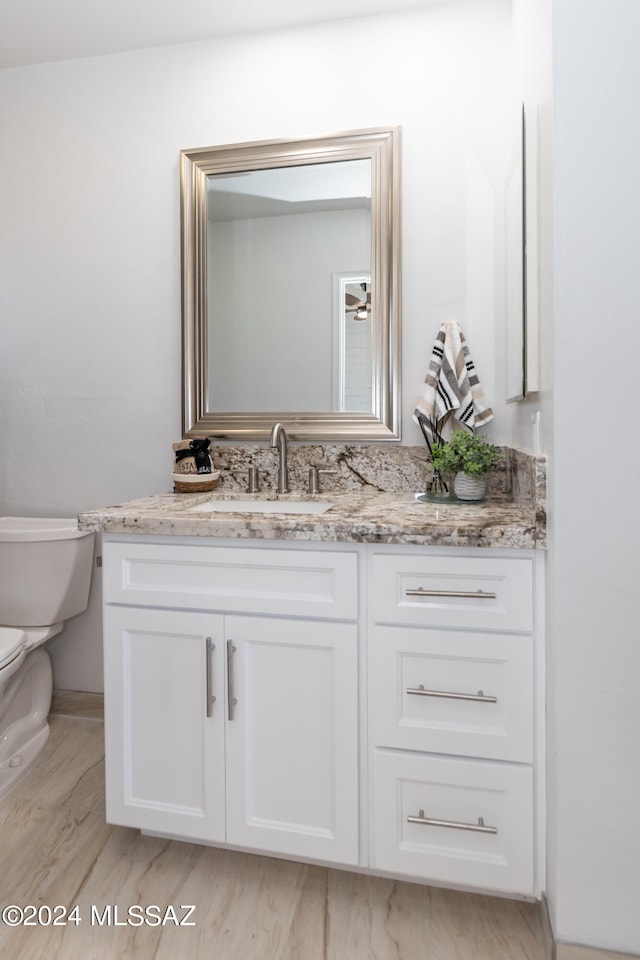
(363, 513)
(360, 518)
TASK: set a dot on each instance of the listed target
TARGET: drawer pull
(231, 700)
(478, 697)
(478, 827)
(457, 594)
(210, 647)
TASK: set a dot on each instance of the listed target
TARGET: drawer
(319, 584)
(464, 822)
(443, 691)
(487, 593)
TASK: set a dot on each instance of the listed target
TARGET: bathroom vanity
(361, 687)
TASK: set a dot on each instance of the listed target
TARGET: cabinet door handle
(478, 827)
(210, 647)
(478, 697)
(457, 594)
(231, 700)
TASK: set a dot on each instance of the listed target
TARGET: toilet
(45, 575)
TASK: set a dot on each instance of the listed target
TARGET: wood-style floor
(56, 849)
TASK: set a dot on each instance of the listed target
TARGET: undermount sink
(261, 506)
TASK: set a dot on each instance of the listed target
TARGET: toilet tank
(45, 570)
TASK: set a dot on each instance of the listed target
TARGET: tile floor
(56, 849)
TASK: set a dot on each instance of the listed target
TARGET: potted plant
(470, 457)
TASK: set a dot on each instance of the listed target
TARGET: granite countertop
(356, 517)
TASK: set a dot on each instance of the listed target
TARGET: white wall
(594, 637)
(89, 231)
(579, 63)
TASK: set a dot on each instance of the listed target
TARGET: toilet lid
(11, 643)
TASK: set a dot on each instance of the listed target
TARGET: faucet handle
(253, 480)
(314, 477)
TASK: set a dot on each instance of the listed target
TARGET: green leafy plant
(467, 453)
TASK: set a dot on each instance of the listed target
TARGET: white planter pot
(467, 487)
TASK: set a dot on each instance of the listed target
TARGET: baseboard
(76, 703)
(572, 951)
(546, 932)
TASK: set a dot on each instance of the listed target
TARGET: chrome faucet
(279, 440)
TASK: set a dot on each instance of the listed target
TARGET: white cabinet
(364, 705)
(292, 742)
(453, 717)
(459, 821)
(229, 728)
(206, 576)
(164, 756)
(444, 590)
(453, 692)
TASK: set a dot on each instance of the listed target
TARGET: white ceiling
(39, 31)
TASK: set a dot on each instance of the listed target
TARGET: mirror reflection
(279, 241)
(354, 383)
(290, 281)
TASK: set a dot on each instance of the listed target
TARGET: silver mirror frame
(382, 147)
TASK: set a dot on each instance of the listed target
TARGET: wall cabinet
(369, 706)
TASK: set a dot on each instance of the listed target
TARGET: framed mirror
(291, 288)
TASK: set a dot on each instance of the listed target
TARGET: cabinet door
(467, 822)
(292, 745)
(164, 731)
(444, 691)
(431, 590)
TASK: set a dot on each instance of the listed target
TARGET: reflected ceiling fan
(358, 304)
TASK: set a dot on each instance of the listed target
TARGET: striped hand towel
(451, 384)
